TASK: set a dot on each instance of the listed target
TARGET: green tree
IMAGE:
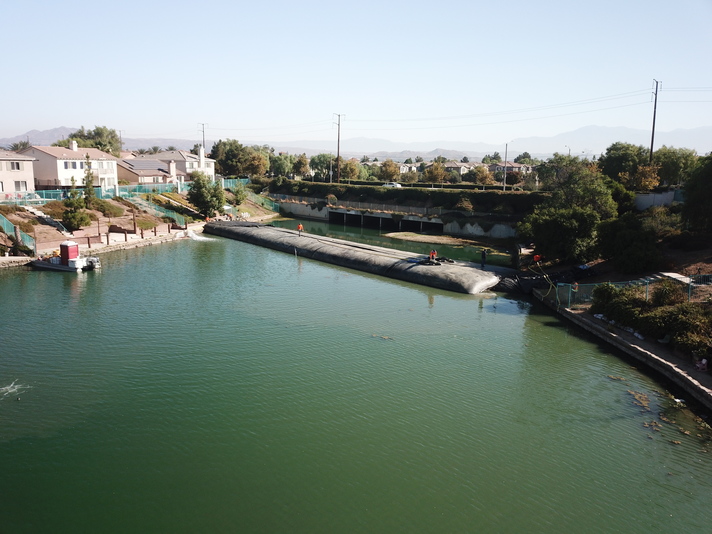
(229, 156)
(239, 194)
(18, 146)
(465, 159)
(196, 149)
(645, 178)
(256, 161)
(390, 171)
(697, 209)
(101, 137)
(89, 196)
(480, 175)
(74, 216)
(320, 164)
(234, 159)
(630, 246)
(207, 196)
(350, 170)
(558, 169)
(585, 189)
(623, 158)
(435, 174)
(408, 161)
(281, 165)
(567, 234)
(365, 159)
(524, 158)
(301, 166)
(578, 203)
(674, 164)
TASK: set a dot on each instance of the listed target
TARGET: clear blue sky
(399, 70)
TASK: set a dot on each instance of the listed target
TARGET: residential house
(55, 166)
(185, 161)
(149, 171)
(511, 167)
(17, 178)
(408, 167)
(458, 167)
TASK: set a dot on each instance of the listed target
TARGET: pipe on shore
(461, 277)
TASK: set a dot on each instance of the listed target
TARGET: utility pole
(504, 178)
(203, 124)
(338, 150)
(655, 110)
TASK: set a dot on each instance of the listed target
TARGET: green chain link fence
(9, 228)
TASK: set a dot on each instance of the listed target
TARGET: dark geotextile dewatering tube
(462, 277)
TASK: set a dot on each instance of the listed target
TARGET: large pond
(215, 386)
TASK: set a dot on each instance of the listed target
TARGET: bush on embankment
(503, 202)
(666, 314)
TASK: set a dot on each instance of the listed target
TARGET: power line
(513, 111)
(490, 123)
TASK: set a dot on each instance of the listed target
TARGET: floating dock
(458, 276)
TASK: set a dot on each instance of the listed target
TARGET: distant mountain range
(587, 141)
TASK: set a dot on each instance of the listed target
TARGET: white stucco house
(511, 167)
(17, 178)
(185, 161)
(55, 166)
(149, 171)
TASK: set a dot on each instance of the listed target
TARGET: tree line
(588, 213)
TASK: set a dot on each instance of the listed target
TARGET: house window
(21, 186)
(81, 164)
(101, 164)
(1, 187)
(15, 166)
(74, 165)
(66, 164)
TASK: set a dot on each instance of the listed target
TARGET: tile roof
(61, 152)
(147, 167)
(8, 154)
(175, 155)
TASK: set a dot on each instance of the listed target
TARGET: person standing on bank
(300, 228)
(484, 257)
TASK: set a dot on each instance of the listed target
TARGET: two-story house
(17, 178)
(185, 161)
(149, 171)
(511, 167)
(55, 166)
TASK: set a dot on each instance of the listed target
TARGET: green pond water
(215, 386)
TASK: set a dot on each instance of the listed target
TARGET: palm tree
(18, 145)
(155, 149)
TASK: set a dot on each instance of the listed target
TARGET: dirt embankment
(48, 237)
